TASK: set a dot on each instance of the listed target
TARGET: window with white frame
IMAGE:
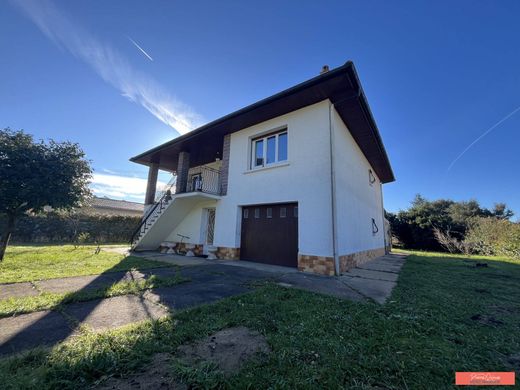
(269, 149)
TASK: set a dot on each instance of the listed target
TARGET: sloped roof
(341, 86)
(116, 204)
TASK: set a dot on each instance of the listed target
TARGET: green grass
(425, 332)
(48, 301)
(35, 262)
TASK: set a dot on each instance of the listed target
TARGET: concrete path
(209, 281)
(377, 278)
(24, 289)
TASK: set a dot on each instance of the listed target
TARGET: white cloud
(110, 65)
(122, 187)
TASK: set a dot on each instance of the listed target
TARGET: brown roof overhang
(340, 85)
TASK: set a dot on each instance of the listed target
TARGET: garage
(269, 234)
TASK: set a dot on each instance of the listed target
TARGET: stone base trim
(323, 265)
(347, 262)
(197, 249)
(226, 253)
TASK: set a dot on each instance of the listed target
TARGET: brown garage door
(270, 234)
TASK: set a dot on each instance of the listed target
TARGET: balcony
(204, 179)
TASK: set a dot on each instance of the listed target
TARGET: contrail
(483, 135)
(109, 64)
(140, 48)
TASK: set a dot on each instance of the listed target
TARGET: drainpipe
(383, 212)
(333, 194)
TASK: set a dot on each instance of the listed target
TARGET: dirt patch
(486, 320)
(156, 375)
(227, 349)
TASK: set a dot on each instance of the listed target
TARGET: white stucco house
(294, 180)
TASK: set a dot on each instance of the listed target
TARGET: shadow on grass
(53, 326)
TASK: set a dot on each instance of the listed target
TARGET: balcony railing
(204, 180)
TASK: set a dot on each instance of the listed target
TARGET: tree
(38, 174)
(437, 224)
(501, 211)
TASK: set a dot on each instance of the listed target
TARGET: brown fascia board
(340, 85)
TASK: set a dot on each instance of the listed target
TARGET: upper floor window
(269, 149)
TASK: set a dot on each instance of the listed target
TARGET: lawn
(36, 262)
(445, 315)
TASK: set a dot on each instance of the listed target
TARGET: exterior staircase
(170, 209)
(162, 219)
(148, 220)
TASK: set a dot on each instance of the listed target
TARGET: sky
(120, 77)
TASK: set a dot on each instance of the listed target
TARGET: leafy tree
(421, 225)
(38, 174)
(494, 236)
(501, 211)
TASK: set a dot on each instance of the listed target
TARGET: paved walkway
(377, 278)
(209, 282)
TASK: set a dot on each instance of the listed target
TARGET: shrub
(439, 224)
(72, 227)
(493, 236)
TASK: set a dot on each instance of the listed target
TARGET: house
(106, 206)
(294, 180)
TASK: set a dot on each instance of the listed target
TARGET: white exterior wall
(357, 202)
(304, 178)
(193, 225)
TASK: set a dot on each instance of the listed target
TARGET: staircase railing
(155, 210)
(169, 186)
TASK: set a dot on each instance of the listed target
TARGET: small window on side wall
(257, 213)
(269, 212)
(371, 177)
(246, 213)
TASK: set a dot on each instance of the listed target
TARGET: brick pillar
(182, 172)
(152, 184)
(224, 173)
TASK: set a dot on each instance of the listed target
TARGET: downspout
(335, 249)
(383, 212)
(333, 194)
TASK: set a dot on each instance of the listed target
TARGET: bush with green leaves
(72, 227)
(415, 227)
(493, 236)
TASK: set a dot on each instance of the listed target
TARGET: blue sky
(437, 76)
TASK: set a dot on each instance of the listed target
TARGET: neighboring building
(294, 179)
(106, 206)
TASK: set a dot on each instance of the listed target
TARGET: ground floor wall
(193, 226)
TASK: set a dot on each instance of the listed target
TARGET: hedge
(56, 227)
(491, 236)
